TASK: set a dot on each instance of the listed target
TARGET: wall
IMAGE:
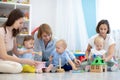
(43, 11)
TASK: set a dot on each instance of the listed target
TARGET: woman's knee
(10, 67)
(17, 68)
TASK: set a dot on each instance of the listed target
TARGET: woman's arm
(87, 52)
(111, 50)
(5, 56)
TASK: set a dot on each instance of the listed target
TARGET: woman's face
(18, 23)
(103, 29)
(46, 37)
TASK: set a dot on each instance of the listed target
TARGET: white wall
(43, 11)
(109, 9)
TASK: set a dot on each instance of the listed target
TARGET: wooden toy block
(98, 65)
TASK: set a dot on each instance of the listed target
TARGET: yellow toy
(28, 68)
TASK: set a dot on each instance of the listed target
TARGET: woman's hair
(27, 38)
(103, 22)
(13, 16)
(44, 28)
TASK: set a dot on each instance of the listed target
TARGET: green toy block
(98, 61)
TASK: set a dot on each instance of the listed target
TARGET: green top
(98, 61)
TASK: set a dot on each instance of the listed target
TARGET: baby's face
(99, 46)
(29, 44)
(59, 48)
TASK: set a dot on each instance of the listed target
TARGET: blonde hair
(62, 42)
(99, 39)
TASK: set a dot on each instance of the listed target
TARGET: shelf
(7, 7)
(4, 5)
(2, 19)
(12, 5)
(23, 34)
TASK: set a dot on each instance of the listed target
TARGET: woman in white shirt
(103, 30)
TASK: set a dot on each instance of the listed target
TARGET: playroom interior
(74, 21)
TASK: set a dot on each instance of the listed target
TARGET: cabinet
(7, 7)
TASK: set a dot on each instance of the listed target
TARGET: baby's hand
(75, 68)
(39, 53)
(77, 61)
(105, 59)
(29, 50)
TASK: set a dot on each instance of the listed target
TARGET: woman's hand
(30, 62)
(105, 59)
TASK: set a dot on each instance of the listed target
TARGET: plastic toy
(59, 68)
(28, 69)
(98, 65)
(41, 65)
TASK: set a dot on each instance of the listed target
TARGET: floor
(62, 76)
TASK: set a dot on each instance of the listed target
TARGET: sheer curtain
(70, 24)
(109, 9)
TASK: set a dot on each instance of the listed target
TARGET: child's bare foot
(39, 71)
(49, 68)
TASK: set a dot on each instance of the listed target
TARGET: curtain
(108, 9)
(70, 24)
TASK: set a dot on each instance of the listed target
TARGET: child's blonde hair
(99, 39)
(62, 42)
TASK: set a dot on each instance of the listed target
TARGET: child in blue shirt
(27, 52)
(60, 53)
(27, 49)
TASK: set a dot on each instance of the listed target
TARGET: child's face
(29, 44)
(99, 45)
(59, 48)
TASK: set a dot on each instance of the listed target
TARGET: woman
(8, 62)
(44, 43)
(103, 30)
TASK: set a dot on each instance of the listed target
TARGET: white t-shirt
(108, 41)
(96, 52)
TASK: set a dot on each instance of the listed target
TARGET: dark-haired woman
(8, 32)
(103, 29)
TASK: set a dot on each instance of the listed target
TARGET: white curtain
(116, 36)
(109, 9)
(70, 24)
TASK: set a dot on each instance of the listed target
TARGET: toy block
(98, 65)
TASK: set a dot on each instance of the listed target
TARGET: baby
(61, 54)
(98, 50)
(27, 52)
